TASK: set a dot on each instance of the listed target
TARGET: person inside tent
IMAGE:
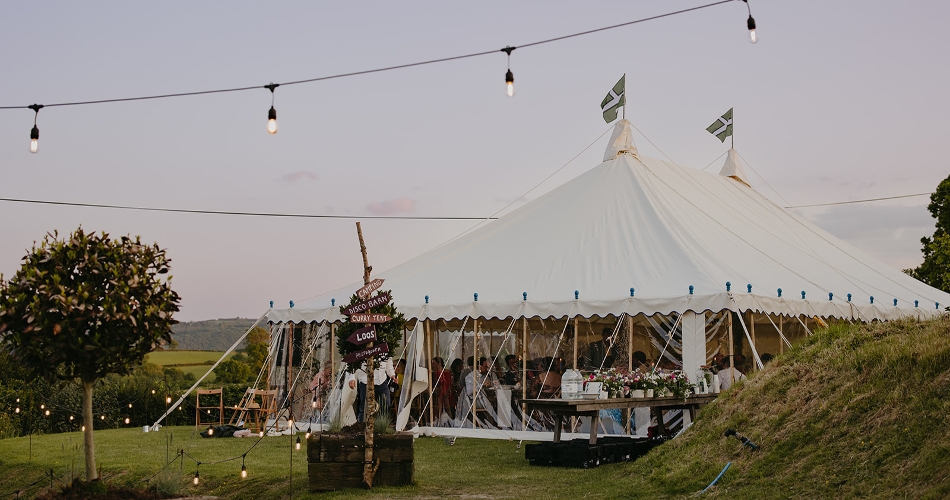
(441, 389)
(512, 375)
(381, 376)
(728, 376)
(476, 387)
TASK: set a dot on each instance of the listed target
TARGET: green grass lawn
(480, 468)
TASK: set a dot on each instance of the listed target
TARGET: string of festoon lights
(272, 112)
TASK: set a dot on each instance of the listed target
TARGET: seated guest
(475, 385)
(726, 375)
(512, 375)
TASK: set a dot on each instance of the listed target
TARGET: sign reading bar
(366, 305)
(362, 336)
(369, 318)
(369, 288)
(355, 357)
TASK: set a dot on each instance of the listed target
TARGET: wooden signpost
(362, 336)
(369, 288)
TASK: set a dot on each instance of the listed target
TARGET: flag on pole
(722, 127)
(615, 99)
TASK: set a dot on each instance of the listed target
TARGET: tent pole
(751, 322)
(524, 369)
(781, 320)
(629, 324)
(427, 335)
(755, 353)
(475, 367)
(576, 324)
(333, 367)
(732, 359)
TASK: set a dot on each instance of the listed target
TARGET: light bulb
(17, 410)
(210, 430)
(297, 446)
(261, 434)
(243, 471)
(314, 403)
(70, 418)
(751, 25)
(83, 428)
(168, 399)
(130, 405)
(510, 83)
(103, 417)
(126, 420)
(42, 406)
(272, 121)
(46, 413)
(153, 391)
(195, 480)
(34, 139)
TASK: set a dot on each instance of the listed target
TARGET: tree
(84, 307)
(935, 269)
(232, 372)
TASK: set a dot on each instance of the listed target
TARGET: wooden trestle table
(561, 408)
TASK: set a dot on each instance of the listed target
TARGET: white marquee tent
(645, 238)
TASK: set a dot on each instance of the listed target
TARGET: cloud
(391, 207)
(300, 175)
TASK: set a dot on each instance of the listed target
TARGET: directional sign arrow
(366, 305)
(369, 318)
(362, 336)
(355, 357)
(369, 288)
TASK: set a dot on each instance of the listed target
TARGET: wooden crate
(336, 461)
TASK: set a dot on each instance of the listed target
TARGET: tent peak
(733, 168)
(621, 142)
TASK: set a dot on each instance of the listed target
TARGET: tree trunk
(89, 446)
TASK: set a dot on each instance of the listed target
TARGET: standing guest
(457, 381)
(441, 388)
(381, 376)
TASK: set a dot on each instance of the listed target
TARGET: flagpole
(624, 96)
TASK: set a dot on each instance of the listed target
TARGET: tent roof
(649, 225)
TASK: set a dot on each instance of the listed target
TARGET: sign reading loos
(358, 356)
(369, 318)
(369, 288)
(362, 336)
(366, 305)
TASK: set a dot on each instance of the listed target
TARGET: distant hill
(210, 335)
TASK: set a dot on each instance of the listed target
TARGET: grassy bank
(851, 412)
(195, 362)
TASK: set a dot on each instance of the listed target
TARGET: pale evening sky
(839, 100)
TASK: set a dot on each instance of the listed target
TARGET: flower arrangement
(678, 383)
(612, 379)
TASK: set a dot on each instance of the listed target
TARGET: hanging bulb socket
(509, 76)
(297, 446)
(35, 132)
(195, 480)
(750, 24)
(272, 113)
(243, 471)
